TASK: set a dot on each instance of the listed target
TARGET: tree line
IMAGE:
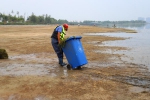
(4, 19)
(16, 19)
(11, 19)
(133, 23)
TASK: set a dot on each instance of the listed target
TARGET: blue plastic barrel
(74, 52)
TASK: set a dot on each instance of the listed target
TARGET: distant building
(141, 18)
(148, 19)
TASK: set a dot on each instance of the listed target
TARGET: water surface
(138, 43)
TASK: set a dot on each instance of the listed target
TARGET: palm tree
(12, 12)
(18, 14)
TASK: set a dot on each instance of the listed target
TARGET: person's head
(65, 26)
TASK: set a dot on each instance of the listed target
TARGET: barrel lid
(73, 37)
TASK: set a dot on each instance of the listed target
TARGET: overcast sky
(79, 10)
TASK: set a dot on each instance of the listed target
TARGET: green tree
(33, 18)
(47, 20)
(60, 21)
(5, 18)
(0, 14)
(53, 21)
(18, 13)
(40, 19)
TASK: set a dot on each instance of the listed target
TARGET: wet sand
(32, 71)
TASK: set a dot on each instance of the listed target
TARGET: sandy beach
(32, 71)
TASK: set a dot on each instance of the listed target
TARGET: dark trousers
(57, 49)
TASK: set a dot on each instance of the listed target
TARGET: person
(56, 37)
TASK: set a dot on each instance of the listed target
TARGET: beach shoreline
(32, 70)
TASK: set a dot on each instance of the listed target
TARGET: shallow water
(138, 44)
(138, 89)
(31, 64)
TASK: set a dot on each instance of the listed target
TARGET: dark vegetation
(3, 54)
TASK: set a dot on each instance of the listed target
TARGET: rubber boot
(61, 62)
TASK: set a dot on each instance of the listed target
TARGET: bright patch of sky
(79, 10)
